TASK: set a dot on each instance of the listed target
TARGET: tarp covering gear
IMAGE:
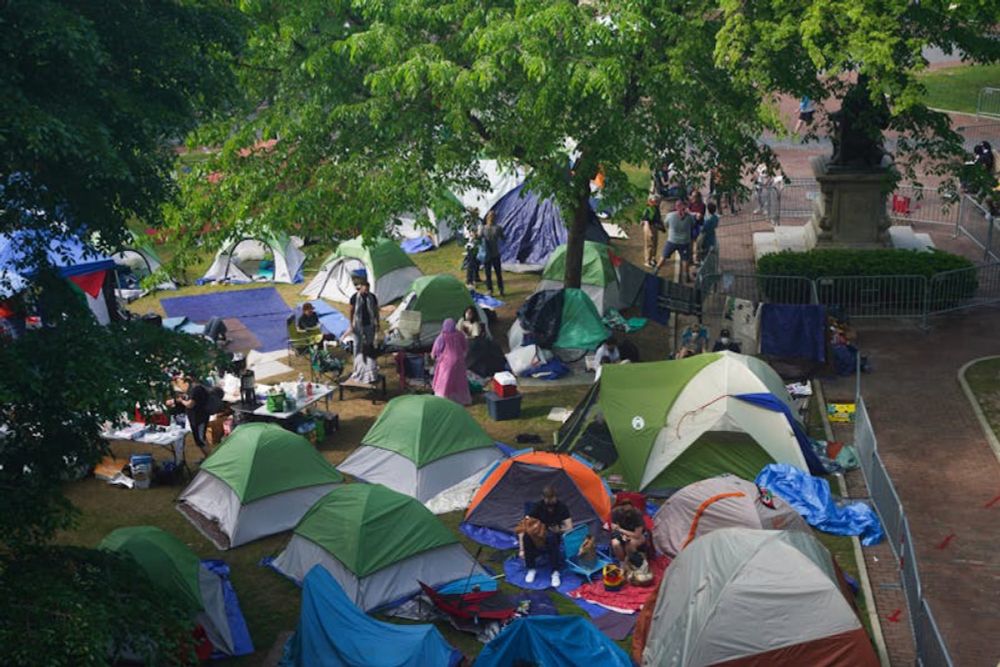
(204, 586)
(719, 502)
(739, 596)
(552, 640)
(793, 331)
(333, 632)
(677, 422)
(598, 279)
(436, 298)
(230, 262)
(421, 445)
(500, 501)
(377, 544)
(261, 480)
(388, 270)
(811, 497)
(564, 319)
(533, 228)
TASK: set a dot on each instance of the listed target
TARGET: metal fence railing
(975, 222)
(988, 102)
(930, 646)
(874, 297)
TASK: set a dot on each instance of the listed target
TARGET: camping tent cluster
(265, 256)
(388, 270)
(433, 299)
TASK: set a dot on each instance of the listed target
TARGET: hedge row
(846, 262)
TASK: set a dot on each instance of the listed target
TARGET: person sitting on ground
(470, 324)
(690, 348)
(607, 353)
(629, 351)
(726, 343)
(554, 515)
(308, 320)
(628, 531)
(679, 224)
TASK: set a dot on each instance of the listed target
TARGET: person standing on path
(364, 316)
(490, 237)
(679, 224)
(806, 111)
(652, 225)
(708, 240)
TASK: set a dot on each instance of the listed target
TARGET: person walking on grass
(679, 224)
(652, 225)
(490, 236)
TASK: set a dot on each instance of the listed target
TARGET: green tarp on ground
(635, 400)
(368, 527)
(383, 256)
(440, 297)
(597, 268)
(260, 460)
(426, 428)
(167, 561)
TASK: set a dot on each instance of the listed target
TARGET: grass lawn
(957, 88)
(271, 603)
(984, 381)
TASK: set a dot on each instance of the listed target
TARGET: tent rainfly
(678, 422)
(719, 502)
(421, 445)
(599, 279)
(552, 640)
(739, 596)
(171, 566)
(378, 544)
(389, 271)
(230, 261)
(436, 298)
(559, 320)
(260, 481)
(333, 632)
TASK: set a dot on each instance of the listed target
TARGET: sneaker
(556, 580)
(529, 576)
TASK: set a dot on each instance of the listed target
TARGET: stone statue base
(850, 211)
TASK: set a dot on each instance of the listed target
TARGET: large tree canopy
(375, 107)
(94, 91)
(821, 48)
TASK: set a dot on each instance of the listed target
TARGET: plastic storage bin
(501, 409)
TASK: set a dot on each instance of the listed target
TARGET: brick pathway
(944, 472)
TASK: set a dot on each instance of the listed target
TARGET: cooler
(501, 408)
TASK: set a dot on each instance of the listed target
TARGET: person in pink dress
(449, 350)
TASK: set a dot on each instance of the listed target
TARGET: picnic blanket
(630, 598)
(261, 310)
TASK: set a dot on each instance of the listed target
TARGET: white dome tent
(231, 262)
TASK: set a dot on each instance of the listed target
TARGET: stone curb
(859, 555)
(991, 437)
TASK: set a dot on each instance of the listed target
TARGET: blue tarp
(332, 632)
(331, 320)
(419, 244)
(234, 615)
(489, 537)
(810, 496)
(651, 307)
(774, 404)
(793, 332)
(67, 253)
(485, 300)
(552, 640)
(533, 228)
(261, 310)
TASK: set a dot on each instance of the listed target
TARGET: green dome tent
(260, 481)
(389, 271)
(559, 320)
(377, 543)
(678, 422)
(436, 298)
(599, 279)
(173, 568)
(134, 263)
(421, 445)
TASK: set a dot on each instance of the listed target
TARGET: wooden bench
(374, 387)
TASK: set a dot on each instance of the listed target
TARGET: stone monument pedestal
(850, 211)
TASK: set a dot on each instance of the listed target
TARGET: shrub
(887, 292)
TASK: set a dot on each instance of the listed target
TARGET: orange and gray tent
(501, 500)
(740, 597)
(720, 502)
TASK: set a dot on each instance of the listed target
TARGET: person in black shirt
(726, 343)
(364, 316)
(193, 399)
(308, 319)
(554, 514)
(628, 531)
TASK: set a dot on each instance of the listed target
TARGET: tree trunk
(576, 237)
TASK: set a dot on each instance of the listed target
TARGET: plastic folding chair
(572, 541)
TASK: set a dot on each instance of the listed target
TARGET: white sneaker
(529, 576)
(556, 580)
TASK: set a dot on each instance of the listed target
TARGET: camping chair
(300, 342)
(467, 611)
(413, 371)
(324, 365)
(572, 541)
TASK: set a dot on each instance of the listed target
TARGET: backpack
(215, 403)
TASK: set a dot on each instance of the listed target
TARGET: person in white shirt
(607, 353)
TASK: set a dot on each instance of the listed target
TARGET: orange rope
(701, 510)
(677, 429)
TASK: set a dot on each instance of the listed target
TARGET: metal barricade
(908, 204)
(766, 289)
(863, 297)
(931, 649)
(864, 438)
(980, 227)
(964, 288)
(988, 102)
(910, 574)
(885, 501)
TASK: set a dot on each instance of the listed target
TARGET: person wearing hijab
(450, 380)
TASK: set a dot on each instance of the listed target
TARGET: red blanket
(629, 599)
